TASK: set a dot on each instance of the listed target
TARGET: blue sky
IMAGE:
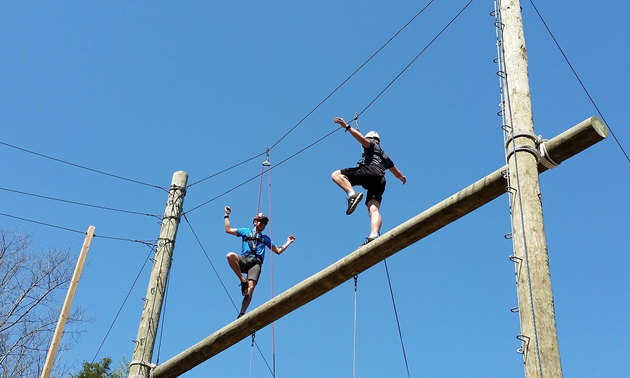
(143, 89)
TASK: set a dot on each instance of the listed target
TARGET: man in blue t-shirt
(252, 254)
(370, 174)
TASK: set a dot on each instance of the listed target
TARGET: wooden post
(140, 364)
(539, 337)
(560, 148)
(65, 310)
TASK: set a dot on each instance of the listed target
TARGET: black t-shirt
(374, 156)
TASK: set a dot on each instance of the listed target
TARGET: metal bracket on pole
(148, 365)
(518, 134)
(531, 149)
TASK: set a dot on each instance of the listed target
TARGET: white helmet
(373, 134)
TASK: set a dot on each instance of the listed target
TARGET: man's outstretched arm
(354, 132)
(282, 248)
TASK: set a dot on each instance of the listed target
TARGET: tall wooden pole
(140, 365)
(539, 336)
(65, 310)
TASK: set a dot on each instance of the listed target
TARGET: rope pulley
(266, 163)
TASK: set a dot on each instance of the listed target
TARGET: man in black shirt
(370, 174)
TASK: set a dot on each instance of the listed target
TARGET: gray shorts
(251, 266)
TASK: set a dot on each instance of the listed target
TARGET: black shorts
(251, 266)
(370, 178)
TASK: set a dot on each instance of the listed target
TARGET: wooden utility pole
(560, 148)
(140, 364)
(65, 310)
(539, 336)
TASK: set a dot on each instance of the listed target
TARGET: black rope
(417, 56)
(81, 166)
(210, 261)
(43, 224)
(264, 359)
(319, 140)
(349, 77)
(79, 203)
(123, 304)
(326, 136)
(580, 81)
(226, 169)
(145, 242)
(397, 322)
(356, 116)
(314, 109)
(77, 231)
(258, 175)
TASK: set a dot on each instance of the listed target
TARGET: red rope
(273, 324)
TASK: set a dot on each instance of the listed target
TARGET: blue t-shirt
(254, 244)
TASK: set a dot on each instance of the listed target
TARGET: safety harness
(377, 157)
(253, 241)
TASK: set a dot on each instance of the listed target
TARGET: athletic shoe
(239, 315)
(245, 288)
(368, 239)
(353, 201)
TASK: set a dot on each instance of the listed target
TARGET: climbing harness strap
(253, 241)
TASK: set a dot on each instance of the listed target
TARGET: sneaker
(353, 201)
(239, 315)
(368, 239)
(245, 288)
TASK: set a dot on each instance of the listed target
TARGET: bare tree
(32, 288)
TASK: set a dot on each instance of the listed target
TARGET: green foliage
(102, 370)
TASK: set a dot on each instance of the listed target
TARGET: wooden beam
(560, 148)
(67, 304)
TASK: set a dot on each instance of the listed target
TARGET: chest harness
(376, 159)
(253, 241)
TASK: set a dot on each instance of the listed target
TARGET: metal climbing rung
(515, 259)
(522, 339)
